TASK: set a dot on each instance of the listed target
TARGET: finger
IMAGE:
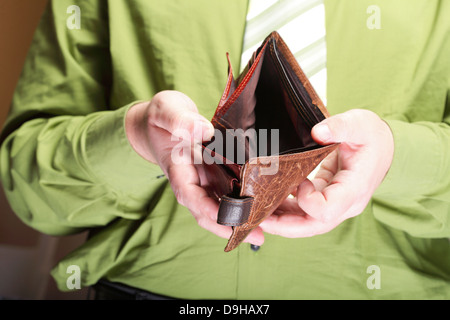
(287, 206)
(327, 170)
(341, 197)
(255, 237)
(292, 225)
(184, 181)
(168, 151)
(177, 113)
(290, 221)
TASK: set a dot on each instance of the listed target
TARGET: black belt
(106, 290)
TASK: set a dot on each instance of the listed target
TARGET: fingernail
(208, 130)
(322, 132)
(203, 130)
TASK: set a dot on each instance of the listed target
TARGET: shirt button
(254, 247)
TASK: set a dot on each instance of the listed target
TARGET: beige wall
(25, 255)
(18, 19)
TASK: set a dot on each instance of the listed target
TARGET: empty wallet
(262, 148)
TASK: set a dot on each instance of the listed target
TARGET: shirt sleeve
(66, 164)
(415, 194)
(403, 75)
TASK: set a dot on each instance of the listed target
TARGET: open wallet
(262, 148)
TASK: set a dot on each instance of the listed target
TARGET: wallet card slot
(274, 110)
(296, 90)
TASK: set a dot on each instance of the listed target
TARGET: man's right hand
(150, 128)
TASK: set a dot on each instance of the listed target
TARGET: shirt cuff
(416, 162)
(111, 157)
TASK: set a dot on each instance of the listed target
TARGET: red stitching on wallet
(223, 109)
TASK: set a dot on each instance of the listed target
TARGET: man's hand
(346, 179)
(154, 129)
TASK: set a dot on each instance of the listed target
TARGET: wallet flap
(230, 86)
(269, 191)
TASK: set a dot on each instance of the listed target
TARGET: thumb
(344, 127)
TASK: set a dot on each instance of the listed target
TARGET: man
(89, 137)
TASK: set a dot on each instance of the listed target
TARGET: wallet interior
(269, 96)
(282, 103)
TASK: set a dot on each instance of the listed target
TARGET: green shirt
(67, 166)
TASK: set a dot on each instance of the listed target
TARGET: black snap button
(254, 247)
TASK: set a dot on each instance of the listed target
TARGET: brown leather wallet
(262, 148)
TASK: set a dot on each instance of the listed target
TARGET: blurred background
(26, 256)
